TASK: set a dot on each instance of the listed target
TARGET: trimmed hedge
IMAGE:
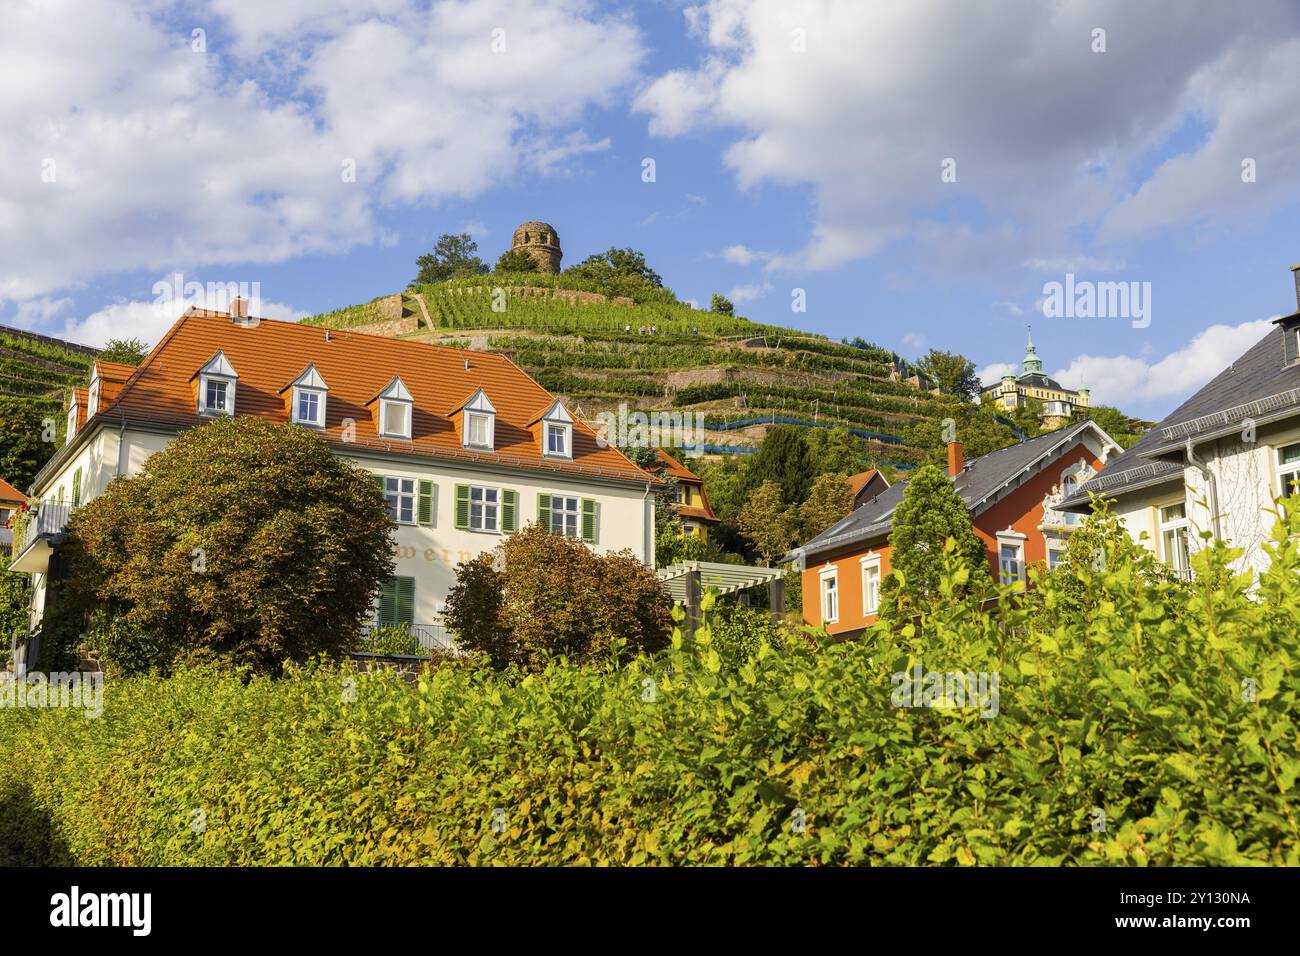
(1131, 702)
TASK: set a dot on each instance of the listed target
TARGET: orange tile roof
(268, 354)
(9, 493)
(675, 469)
(862, 479)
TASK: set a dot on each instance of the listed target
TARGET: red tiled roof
(9, 493)
(675, 469)
(267, 353)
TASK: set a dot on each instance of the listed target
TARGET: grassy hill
(659, 354)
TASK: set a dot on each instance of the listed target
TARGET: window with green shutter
(544, 511)
(76, 489)
(426, 503)
(509, 510)
(462, 507)
(589, 520)
(397, 602)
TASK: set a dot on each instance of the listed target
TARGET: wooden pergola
(686, 582)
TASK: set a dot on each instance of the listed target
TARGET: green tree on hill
(722, 305)
(784, 458)
(23, 450)
(951, 373)
(452, 256)
(516, 260)
(930, 514)
(829, 500)
(769, 524)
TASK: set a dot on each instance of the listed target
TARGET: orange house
(693, 508)
(1010, 494)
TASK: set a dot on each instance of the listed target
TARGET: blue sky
(797, 145)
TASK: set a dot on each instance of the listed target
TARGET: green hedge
(1119, 695)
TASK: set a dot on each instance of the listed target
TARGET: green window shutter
(462, 506)
(388, 603)
(426, 503)
(544, 511)
(509, 510)
(76, 489)
(405, 601)
(589, 520)
(379, 480)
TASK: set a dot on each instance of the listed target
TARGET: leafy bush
(125, 649)
(396, 640)
(540, 595)
(1138, 706)
(738, 633)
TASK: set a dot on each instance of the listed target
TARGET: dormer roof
(217, 365)
(477, 402)
(310, 378)
(554, 412)
(394, 391)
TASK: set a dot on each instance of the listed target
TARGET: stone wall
(387, 329)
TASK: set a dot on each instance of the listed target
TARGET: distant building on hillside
(541, 242)
(693, 508)
(1059, 403)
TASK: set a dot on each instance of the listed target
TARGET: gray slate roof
(977, 486)
(1257, 385)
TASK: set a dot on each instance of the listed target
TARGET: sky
(915, 173)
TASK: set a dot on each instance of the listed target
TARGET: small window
(871, 588)
(557, 440)
(1288, 470)
(483, 509)
(680, 493)
(564, 516)
(830, 599)
(1009, 562)
(395, 419)
(307, 409)
(214, 396)
(479, 430)
(72, 423)
(1174, 539)
(93, 402)
(1055, 556)
(399, 499)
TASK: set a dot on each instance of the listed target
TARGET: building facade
(11, 502)
(1012, 495)
(467, 447)
(1059, 402)
(694, 512)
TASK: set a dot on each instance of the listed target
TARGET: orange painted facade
(1021, 511)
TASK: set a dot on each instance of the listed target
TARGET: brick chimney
(239, 308)
(1295, 271)
(955, 463)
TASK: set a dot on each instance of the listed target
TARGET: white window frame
(302, 394)
(871, 583)
(488, 421)
(72, 422)
(1286, 471)
(92, 401)
(481, 492)
(217, 371)
(478, 408)
(562, 513)
(398, 497)
(385, 428)
(1054, 546)
(1015, 540)
(565, 434)
(829, 594)
(1183, 563)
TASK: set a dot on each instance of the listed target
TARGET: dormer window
(478, 429)
(92, 408)
(396, 409)
(556, 435)
(307, 403)
(72, 421)
(217, 386)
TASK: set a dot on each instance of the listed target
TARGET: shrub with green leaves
(1154, 726)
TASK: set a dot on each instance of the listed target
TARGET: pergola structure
(686, 582)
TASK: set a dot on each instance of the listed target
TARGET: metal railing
(43, 520)
(430, 637)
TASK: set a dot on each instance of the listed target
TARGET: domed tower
(541, 242)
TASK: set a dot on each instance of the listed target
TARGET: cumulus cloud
(147, 321)
(1123, 380)
(991, 374)
(130, 144)
(749, 292)
(866, 103)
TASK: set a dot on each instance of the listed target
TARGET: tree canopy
(124, 351)
(452, 256)
(930, 513)
(951, 373)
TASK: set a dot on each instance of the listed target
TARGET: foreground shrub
(540, 595)
(1180, 728)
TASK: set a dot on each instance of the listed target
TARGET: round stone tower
(541, 242)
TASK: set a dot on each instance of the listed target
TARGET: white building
(468, 447)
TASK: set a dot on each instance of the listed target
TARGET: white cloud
(147, 321)
(991, 374)
(161, 157)
(1046, 134)
(740, 255)
(914, 341)
(1123, 380)
(750, 292)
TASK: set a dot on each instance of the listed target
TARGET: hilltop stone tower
(541, 242)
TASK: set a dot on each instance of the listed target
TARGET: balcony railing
(42, 521)
(430, 636)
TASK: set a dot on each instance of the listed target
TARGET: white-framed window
(871, 584)
(217, 387)
(92, 402)
(484, 508)
(557, 440)
(308, 399)
(1068, 485)
(679, 493)
(830, 588)
(1175, 549)
(565, 512)
(399, 498)
(1288, 469)
(72, 422)
(1055, 552)
(396, 409)
(478, 430)
(478, 427)
(1011, 556)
